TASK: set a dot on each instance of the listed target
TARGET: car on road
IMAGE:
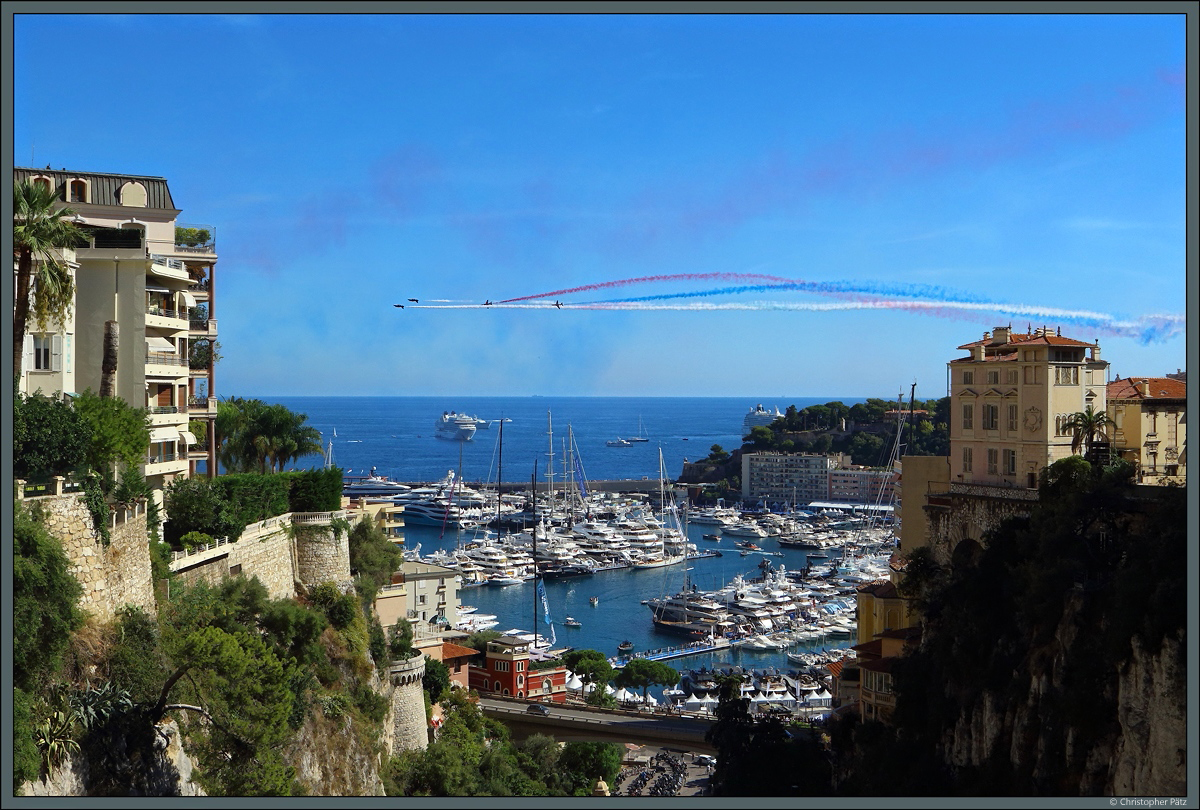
(704, 759)
(538, 708)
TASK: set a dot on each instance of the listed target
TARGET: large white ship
(758, 417)
(455, 426)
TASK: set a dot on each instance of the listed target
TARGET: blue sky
(948, 173)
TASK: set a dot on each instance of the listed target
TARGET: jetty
(698, 647)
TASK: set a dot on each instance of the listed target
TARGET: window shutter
(56, 353)
(27, 360)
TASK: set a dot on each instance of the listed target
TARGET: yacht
(456, 426)
(758, 417)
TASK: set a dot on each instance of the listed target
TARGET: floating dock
(667, 653)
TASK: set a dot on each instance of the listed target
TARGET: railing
(209, 248)
(1006, 490)
(308, 518)
(200, 286)
(198, 326)
(174, 264)
(164, 359)
(163, 409)
(159, 459)
(164, 312)
(191, 552)
(198, 402)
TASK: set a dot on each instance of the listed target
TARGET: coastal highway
(571, 722)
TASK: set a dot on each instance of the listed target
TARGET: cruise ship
(758, 417)
(455, 426)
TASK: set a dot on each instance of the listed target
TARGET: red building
(506, 672)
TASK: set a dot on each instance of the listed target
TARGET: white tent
(693, 704)
(574, 683)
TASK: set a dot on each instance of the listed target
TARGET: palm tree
(1086, 427)
(40, 230)
(254, 435)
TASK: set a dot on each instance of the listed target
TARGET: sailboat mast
(550, 465)
(533, 489)
(499, 474)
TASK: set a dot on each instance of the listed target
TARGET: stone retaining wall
(112, 576)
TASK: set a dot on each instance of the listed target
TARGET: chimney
(1143, 387)
(1096, 353)
(1000, 335)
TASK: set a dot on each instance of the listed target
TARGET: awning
(187, 437)
(159, 344)
(189, 299)
(164, 434)
(156, 289)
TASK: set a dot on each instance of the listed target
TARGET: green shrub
(27, 762)
(193, 540)
(253, 497)
(370, 703)
(315, 490)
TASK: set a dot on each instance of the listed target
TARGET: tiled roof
(872, 649)
(457, 650)
(1028, 339)
(1160, 388)
(834, 668)
(882, 588)
(878, 665)
(990, 358)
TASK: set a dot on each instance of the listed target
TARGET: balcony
(196, 240)
(206, 328)
(168, 268)
(162, 364)
(164, 463)
(164, 318)
(202, 406)
(166, 415)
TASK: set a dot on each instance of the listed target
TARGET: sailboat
(661, 559)
(641, 437)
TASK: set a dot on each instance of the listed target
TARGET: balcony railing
(198, 402)
(174, 264)
(164, 359)
(160, 458)
(163, 409)
(199, 286)
(163, 312)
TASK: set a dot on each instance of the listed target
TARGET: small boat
(569, 622)
(503, 580)
(625, 646)
(716, 538)
(618, 442)
(595, 600)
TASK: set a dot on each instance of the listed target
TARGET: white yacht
(456, 426)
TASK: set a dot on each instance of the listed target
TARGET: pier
(667, 653)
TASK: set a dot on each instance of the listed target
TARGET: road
(566, 722)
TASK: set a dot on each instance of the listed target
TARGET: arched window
(520, 680)
(546, 684)
(520, 694)
(506, 691)
(79, 191)
(133, 194)
(43, 182)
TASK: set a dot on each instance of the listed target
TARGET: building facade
(1148, 417)
(508, 671)
(135, 271)
(426, 596)
(785, 478)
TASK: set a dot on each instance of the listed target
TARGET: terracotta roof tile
(457, 650)
(834, 668)
(1160, 388)
(1029, 339)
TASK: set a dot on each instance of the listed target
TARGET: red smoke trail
(608, 285)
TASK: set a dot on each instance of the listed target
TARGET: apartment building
(1011, 399)
(1148, 427)
(785, 478)
(426, 596)
(142, 270)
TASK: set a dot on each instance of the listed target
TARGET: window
(500, 666)
(546, 685)
(42, 182)
(968, 417)
(520, 680)
(1012, 418)
(1066, 375)
(1062, 425)
(968, 378)
(991, 417)
(993, 377)
(1010, 462)
(993, 461)
(421, 599)
(78, 191)
(520, 666)
(1011, 376)
(41, 353)
(966, 459)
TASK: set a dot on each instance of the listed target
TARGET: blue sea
(395, 435)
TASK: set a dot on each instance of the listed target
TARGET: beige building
(427, 596)
(132, 271)
(785, 478)
(1149, 426)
